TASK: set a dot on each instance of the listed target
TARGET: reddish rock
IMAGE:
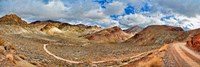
(194, 43)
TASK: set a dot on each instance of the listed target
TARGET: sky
(108, 13)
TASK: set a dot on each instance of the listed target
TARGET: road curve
(181, 56)
(95, 62)
(59, 58)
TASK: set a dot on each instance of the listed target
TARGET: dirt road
(96, 62)
(178, 55)
(57, 57)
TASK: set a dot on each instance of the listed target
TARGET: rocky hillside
(12, 24)
(194, 43)
(12, 19)
(51, 29)
(41, 24)
(78, 28)
(133, 30)
(114, 34)
(156, 35)
(10, 57)
(187, 35)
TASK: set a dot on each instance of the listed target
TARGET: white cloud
(115, 8)
(91, 13)
(53, 10)
(185, 7)
(139, 19)
(95, 14)
(190, 22)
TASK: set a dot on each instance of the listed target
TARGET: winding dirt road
(178, 55)
(59, 58)
(95, 62)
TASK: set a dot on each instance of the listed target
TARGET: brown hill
(114, 34)
(194, 43)
(12, 24)
(45, 22)
(51, 29)
(156, 35)
(51, 26)
(81, 28)
(187, 35)
(12, 19)
(42, 24)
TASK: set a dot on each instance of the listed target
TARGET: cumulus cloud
(95, 14)
(54, 9)
(186, 13)
(114, 8)
(139, 19)
(186, 7)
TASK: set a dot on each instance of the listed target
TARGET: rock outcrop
(51, 29)
(194, 43)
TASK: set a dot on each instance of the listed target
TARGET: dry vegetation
(155, 59)
(9, 57)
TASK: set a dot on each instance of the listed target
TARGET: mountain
(41, 24)
(12, 24)
(114, 34)
(156, 35)
(45, 22)
(194, 42)
(80, 28)
(51, 29)
(12, 19)
(133, 30)
(187, 35)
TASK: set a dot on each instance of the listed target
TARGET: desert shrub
(10, 57)
(1, 42)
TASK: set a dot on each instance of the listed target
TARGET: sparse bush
(2, 49)
(10, 58)
(1, 42)
(155, 62)
(10, 47)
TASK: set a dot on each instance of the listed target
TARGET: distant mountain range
(154, 34)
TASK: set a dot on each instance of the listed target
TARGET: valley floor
(85, 52)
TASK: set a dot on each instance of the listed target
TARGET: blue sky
(108, 13)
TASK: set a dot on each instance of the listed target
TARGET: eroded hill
(156, 35)
(114, 34)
